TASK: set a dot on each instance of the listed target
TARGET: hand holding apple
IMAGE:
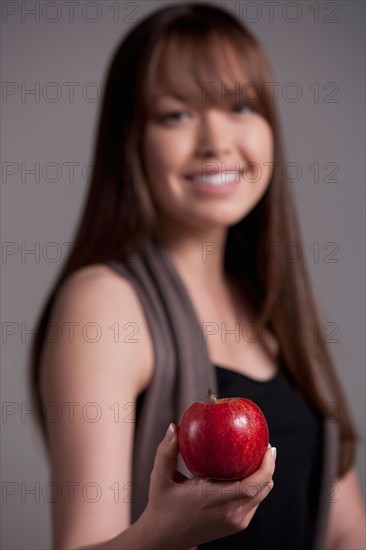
(223, 439)
(182, 513)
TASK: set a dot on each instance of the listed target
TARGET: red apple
(223, 439)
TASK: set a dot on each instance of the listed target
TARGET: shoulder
(95, 277)
(98, 300)
(98, 289)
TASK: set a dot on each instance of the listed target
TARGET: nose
(214, 137)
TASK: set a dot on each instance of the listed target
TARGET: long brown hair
(119, 213)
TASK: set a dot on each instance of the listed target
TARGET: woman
(173, 249)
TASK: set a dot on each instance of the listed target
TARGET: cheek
(259, 141)
(165, 151)
(154, 155)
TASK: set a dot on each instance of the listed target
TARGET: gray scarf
(183, 373)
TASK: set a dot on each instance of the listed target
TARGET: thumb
(166, 458)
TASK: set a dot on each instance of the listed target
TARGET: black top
(285, 519)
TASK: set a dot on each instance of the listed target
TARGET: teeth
(216, 179)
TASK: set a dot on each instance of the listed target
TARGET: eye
(242, 108)
(174, 116)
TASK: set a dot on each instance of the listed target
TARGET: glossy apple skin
(225, 440)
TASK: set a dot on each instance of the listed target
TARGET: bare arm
(347, 523)
(94, 385)
(135, 537)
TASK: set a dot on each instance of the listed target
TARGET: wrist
(155, 534)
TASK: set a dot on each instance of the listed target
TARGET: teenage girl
(188, 90)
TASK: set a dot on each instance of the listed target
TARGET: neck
(198, 256)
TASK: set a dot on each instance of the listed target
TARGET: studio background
(61, 52)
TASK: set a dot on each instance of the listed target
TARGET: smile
(220, 178)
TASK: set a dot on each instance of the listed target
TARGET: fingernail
(170, 433)
(273, 454)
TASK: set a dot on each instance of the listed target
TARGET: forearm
(130, 539)
(133, 538)
(141, 534)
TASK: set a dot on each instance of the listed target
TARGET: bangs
(206, 68)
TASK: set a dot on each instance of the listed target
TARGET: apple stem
(211, 396)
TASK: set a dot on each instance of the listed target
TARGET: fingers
(259, 484)
(253, 488)
(166, 457)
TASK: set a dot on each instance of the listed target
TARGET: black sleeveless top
(285, 519)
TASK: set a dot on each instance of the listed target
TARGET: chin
(230, 217)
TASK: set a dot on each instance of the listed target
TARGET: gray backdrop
(61, 53)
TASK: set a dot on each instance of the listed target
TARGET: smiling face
(188, 136)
